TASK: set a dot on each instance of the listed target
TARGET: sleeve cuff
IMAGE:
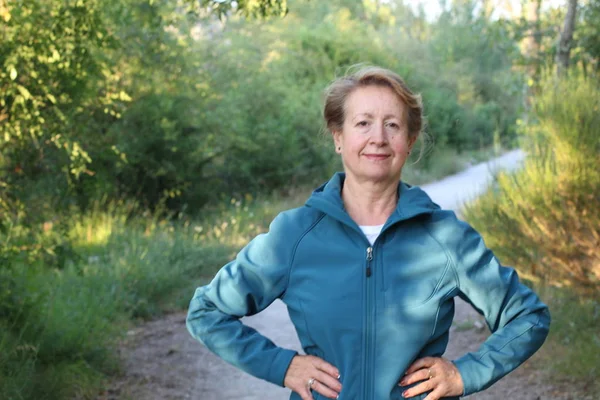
(280, 365)
(467, 366)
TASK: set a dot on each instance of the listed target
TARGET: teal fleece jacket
(369, 310)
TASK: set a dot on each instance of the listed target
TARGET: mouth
(376, 157)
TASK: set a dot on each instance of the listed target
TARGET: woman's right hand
(304, 368)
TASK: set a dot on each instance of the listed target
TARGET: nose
(379, 135)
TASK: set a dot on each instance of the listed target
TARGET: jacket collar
(412, 201)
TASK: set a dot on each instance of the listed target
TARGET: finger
(435, 395)
(424, 362)
(324, 390)
(419, 389)
(326, 367)
(416, 376)
(329, 381)
(306, 394)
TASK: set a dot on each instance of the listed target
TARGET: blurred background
(144, 142)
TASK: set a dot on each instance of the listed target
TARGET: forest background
(143, 142)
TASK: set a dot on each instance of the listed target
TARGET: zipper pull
(369, 258)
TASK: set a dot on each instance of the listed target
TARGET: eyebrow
(369, 115)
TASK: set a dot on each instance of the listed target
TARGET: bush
(60, 322)
(546, 218)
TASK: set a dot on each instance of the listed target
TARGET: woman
(369, 268)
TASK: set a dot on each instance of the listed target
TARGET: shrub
(545, 219)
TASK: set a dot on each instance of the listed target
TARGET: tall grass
(62, 313)
(545, 220)
(573, 350)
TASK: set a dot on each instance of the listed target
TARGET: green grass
(572, 350)
(63, 312)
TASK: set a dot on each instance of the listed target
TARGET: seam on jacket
(440, 281)
(452, 262)
(306, 322)
(533, 325)
(293, 256)
(439, 307)
(435, 290)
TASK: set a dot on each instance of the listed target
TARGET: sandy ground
(162, 361)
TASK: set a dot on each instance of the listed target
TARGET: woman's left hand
(440, 376)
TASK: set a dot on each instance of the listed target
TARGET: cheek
(400, 143)
(354, 142)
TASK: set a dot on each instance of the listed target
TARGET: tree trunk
(566, 38)
(534, 39)
(531, 48)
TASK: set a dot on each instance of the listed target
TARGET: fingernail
(339, 376)
(404, 394)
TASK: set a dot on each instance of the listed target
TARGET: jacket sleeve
(243, 287)
(518, 320)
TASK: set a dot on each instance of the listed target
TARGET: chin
(381, 177)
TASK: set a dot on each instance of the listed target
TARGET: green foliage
(248, 8)
(68, 72)
(60, 326)
(585, 47)
(588, 35)
(545, 219)
(478, 70)
(58, 329)
(172, 107)
(573, 339)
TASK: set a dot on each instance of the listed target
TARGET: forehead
(374, 100)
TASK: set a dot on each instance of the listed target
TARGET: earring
(339, 148)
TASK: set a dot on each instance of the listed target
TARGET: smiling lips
(376, 157)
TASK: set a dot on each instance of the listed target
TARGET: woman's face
(374, 141)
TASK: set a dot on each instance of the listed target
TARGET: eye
(393, 125)
(362, 123)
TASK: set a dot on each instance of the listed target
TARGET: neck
(369, 203)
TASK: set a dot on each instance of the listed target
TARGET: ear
(411, 141)
(337, 140)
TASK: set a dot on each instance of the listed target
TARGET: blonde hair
(338, 91)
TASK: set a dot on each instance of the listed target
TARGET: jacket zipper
(369, 259)
(367, 366)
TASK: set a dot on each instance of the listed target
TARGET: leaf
(51, 98)
(124, 96)
(24, 92)
(13, 73)
(4, 13)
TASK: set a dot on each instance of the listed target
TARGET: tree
(63, 81)
(588, 33)
(534, 39)
(248, 8)
(565, 42)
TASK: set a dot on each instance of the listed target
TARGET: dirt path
(162, 361)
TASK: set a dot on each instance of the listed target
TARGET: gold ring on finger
(430, 376)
